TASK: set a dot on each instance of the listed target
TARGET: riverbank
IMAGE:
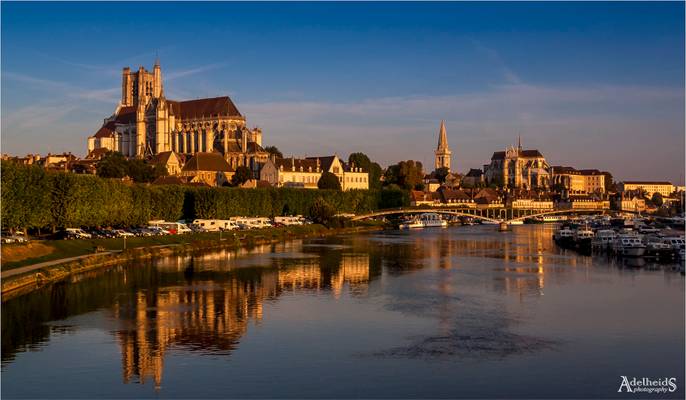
(24, 278)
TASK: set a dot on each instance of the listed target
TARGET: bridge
(494, 215)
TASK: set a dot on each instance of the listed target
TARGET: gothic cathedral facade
(145, 123)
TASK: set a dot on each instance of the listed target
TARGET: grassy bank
(20, 255)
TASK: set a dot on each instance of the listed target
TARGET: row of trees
(34, 198)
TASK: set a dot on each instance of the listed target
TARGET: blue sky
(592, 85)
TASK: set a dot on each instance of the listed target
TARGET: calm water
(458, 312)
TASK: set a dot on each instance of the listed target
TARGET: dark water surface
(458, 312)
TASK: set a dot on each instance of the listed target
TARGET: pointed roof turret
(442, 137)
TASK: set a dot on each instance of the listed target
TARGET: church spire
(442, 137)
(442, 152)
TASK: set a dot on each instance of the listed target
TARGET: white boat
(583, 237)
(629, 245)
(564, 236)
(431, 220)
(603, 239)
(411, 223)
(676, 243)
(655, 247)
(516, 222)
(551, 218)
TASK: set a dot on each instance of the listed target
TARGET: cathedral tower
(442, 152)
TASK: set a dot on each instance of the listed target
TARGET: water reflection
(469, 289)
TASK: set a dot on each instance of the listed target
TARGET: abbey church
(146, 123)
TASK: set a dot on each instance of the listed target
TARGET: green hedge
(34, 198)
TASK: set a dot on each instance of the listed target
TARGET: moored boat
(629, 245)
(656, 248)
(603, 239)
(411, 223)
(582, 238)
(432, 220)
(564, 237)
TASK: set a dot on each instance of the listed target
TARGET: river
(441, 313)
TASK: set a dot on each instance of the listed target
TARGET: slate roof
(647, 183)
(474, 173)
(500, 155)
(560, 169)
(324, 162)
(288, 163)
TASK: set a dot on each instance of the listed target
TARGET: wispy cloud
(494, 57)
(176, 74)
(54, 88)
(572, 125)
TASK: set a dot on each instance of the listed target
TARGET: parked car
(6, 237)
(123, 233)
(19, 239)
(77, 233)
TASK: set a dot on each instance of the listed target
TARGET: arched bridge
(495, 215)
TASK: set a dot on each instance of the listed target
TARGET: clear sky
(591, 85)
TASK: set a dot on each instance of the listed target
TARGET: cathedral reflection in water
(211, 315)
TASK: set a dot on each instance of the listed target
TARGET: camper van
(252, 223)
(171, 227)
(289, 220)
(215, 225)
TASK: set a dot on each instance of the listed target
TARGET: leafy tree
(113, 165)
(329, 181)
(657, 199)
(140, 171)
(321, 211)
(441, 174)
(406, 174)
(374, 169)
(610, 185)
(274, 151)
(242, 175)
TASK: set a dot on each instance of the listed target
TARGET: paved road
(29, 268)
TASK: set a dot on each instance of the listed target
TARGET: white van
(289, 220)
(252, 223)
(214, 225)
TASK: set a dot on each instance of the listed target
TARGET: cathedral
(516, 168)
(146, 123)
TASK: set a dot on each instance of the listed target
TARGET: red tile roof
(126, 115)
(207, 162)
(107, 130)
(204, 107)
